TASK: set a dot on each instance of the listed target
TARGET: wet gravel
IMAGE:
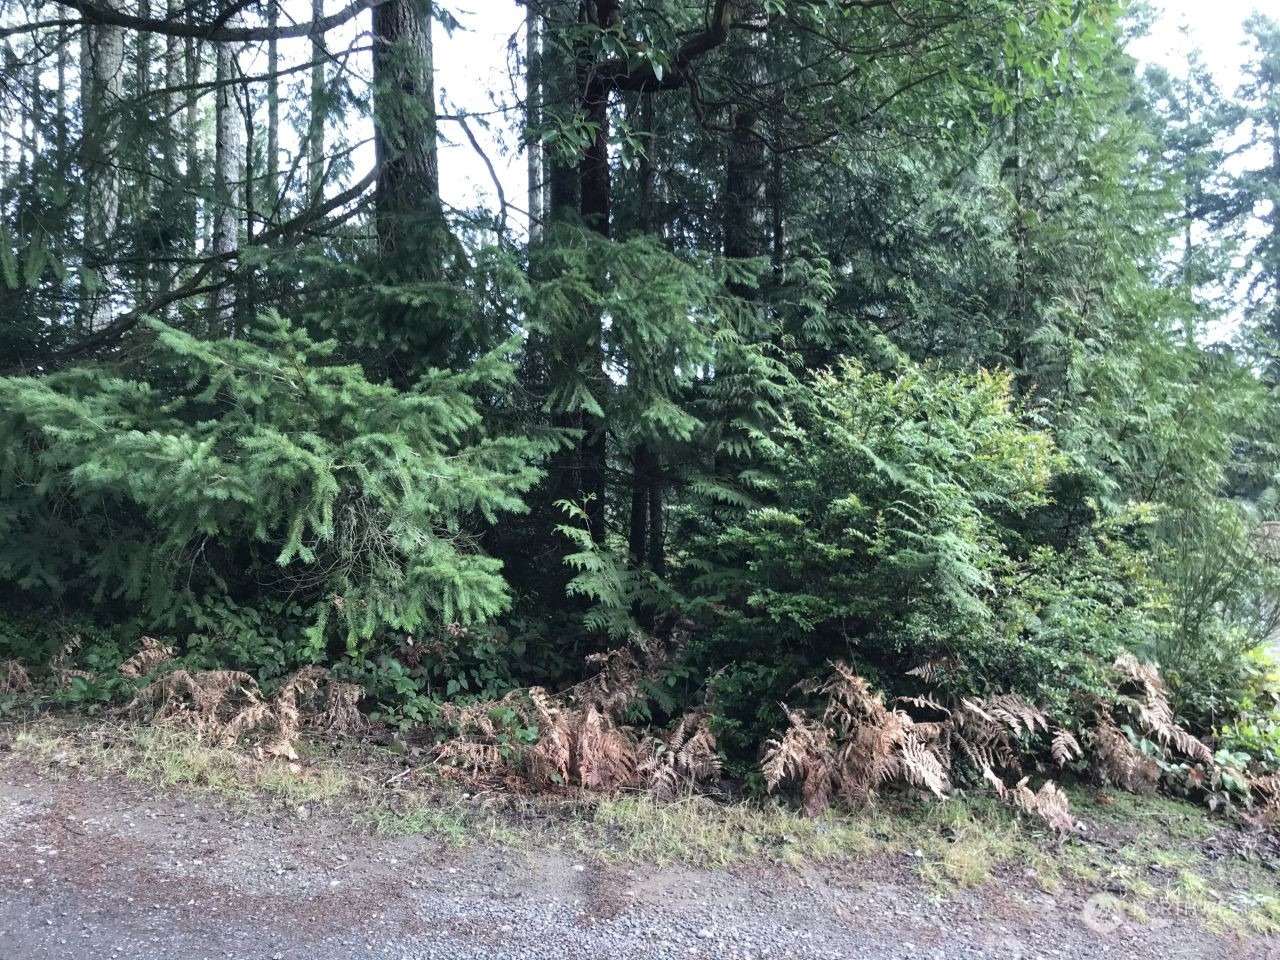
(105, 871)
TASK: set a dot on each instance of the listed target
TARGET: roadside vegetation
(1143, 857)
(838, 450)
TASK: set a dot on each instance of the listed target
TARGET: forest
(864, 394)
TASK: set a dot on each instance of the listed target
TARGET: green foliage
(890, 545)
(258, 463)
(888, 350)
(884, 531)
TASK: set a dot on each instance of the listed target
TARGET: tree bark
(145, 187)
(408, 192)
(646, 535)
(271, 175)
(227, 165)
(560, 99)
(315, 128)
(102, 66)
(533, 106)
(191, 137)
(746, 210)
(595, 183)
(61, 120)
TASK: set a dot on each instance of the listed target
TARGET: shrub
(890, 544)
(257, 469)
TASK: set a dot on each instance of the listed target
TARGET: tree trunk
(746, 210)
(145, 185)
(102, 66)
(561, 96)
(778, 222)
(533, 97)
(646, 537)
(227, 165)
(595, 183)
(408, 191)
(64, 37)
(271, 175)
(191, 140)
(315, 129)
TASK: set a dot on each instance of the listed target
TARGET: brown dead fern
(1065, 748)
(225, 706)
(13, 678)
(860, 744)
(61, 667)
(1265, 791)
(857, 746)
(1048, 803)
(681, 760)
(151, 655)
(1154, 712)
(208, 701)
(341, 714)
(1118, 762)
(581, 736)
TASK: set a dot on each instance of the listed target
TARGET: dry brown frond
(933, 671)
(803, 755)
(1018, 714)
(859, 745)
(226, 705)
(605, 759)
(13, 677)
(1155, 714)
(60, 664)
(1266, 794)
(1048, 803)
(69, 649)
(1119, 761)
(66, 677)
(151, 654)
(286, 710)
(551, 758)
(342, 709)
(1065, 747)
(205, 701)
(684, 758)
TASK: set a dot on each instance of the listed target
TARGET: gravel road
(100, 870)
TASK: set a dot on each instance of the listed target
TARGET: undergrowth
(1153, 854)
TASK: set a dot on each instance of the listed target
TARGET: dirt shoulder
(94, 864)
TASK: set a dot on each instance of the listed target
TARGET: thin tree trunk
(560, 85)
(657, 521)
(746, 220)
(533, 97)
(315, 130)
(778, 221)
(191, 140)
(61, 130)
(144, 188)
(102, 66)
(271, 176)
(646, 537)
(596, 185)
(227, 165)
(169, 233)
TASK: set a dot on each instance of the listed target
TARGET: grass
(1146, 851)
(698, 830)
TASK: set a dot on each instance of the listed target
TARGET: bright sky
(1214, 26)
(471, 76)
